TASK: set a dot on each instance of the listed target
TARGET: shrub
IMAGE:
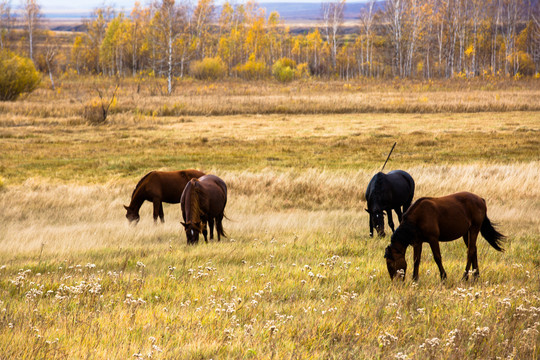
(17, 75)
(95, 111)
(208, 69)
(252, 69)
(286, 70)
(283, 70)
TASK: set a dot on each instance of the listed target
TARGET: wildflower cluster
(386, 339)
(92, 287)
(131, 301)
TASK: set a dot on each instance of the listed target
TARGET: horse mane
(196, 197)
(379, 186)
(139, 184)
(417, 203)
(404, 234)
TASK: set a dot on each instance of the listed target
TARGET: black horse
(387, 192)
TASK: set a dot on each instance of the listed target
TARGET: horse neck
(399, 246)
(193, 211)
(137, 199)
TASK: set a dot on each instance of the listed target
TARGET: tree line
(393, 38)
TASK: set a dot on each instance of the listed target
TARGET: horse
(159, 187)
(443, 219)
(203, 201)
(387, 192)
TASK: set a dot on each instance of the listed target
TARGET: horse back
(402, 186)
(448, 217)
(214, 192)
(168, 185)
(390, 190)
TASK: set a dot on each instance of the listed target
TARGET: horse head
(395, 262)
(394, 253)
(132, 215)
(377, 221)
(192, 231)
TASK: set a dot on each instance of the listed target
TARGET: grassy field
(298, 276)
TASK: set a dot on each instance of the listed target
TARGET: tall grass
(299, 281)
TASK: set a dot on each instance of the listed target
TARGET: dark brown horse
(445, 218)
(158, 187)
(203, 201)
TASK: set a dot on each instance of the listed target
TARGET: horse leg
(370, 225)
(219, 226)
(468, 266)
(390, 220)
(157, 204)
(434, 244)
(417, 256)
(399, 213)
(161, 214)
(473, 253)
(211, 226)
(204, 231)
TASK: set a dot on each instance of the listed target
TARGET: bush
(208, 69)
(286, 70)
(283, 70)
(17, 75)
(95, 111)
(251, 70)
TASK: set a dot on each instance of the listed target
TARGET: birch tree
(535, 38)
(366, 22)
(394, 13)
(31, 16)
(202, 19)
(96, 27)
(332, 15)
(169, 22)
(51, 52)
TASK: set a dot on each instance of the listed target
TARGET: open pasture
(298, 277)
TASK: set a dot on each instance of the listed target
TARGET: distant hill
(311, 11)
(290, 12)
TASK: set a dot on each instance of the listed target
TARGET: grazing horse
(387, 192)
(445, 218)
(203, 201)
(159, 187)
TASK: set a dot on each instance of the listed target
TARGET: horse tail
(412, 185)
(493, 237)
(219, 228)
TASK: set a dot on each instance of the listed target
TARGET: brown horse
(203, 201)
(445, 218)
(159, 187)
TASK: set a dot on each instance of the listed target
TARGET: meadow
(298, 276)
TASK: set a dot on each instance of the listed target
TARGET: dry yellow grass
(298, 276)
(71, 217)
(302, 97)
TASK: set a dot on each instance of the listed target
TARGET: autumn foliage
(17, 75)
